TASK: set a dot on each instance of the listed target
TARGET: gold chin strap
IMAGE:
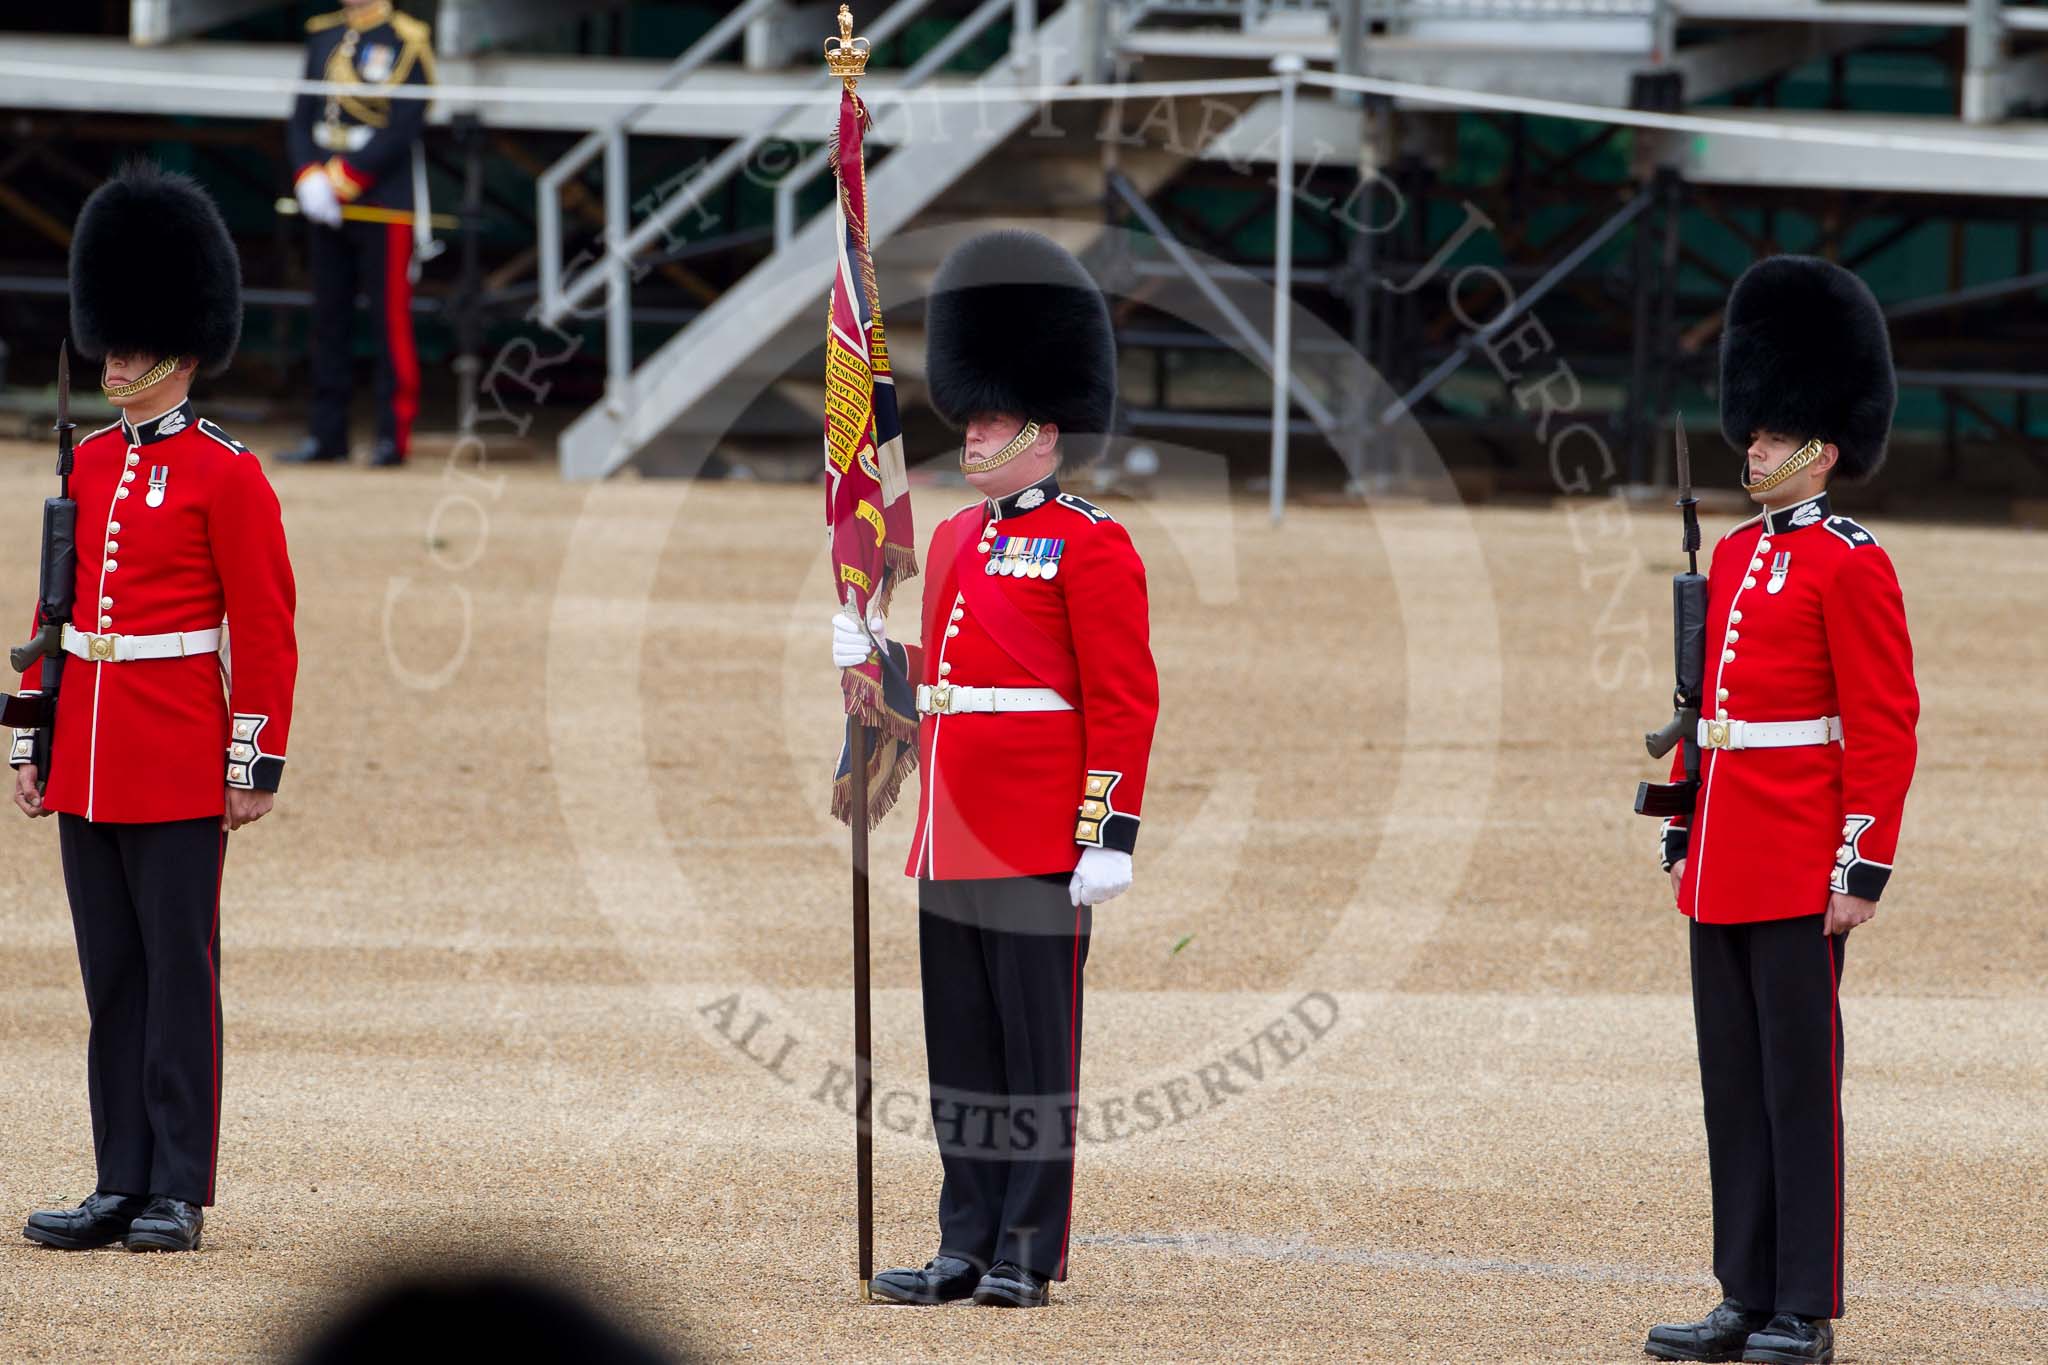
(1796, 461)
(1019, 443)
(165, 368)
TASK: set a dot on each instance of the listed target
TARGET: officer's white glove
(317, 199)
(1103, 874)
(850, 648)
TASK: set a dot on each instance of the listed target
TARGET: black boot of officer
(1792, 1340)
(167, 1225)
(943, 1279)
(1720, 1335)
(102, 1220)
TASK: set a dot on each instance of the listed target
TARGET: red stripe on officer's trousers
(405, 361)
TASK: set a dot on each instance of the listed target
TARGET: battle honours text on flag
(867, 493)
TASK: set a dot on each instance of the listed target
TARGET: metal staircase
(700, 378)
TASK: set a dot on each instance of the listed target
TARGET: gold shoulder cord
(1019, 443)
(1796, 461)
(164, 369)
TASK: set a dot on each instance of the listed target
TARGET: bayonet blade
(1684, 459)
(64, 383)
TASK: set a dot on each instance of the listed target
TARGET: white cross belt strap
(1769, 734)
(121, 649)
(944, 699)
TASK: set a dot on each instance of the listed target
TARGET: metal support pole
(1350, 48)
(1094, 41)
(1288, 68)
(1984, 63)
(619, 276)
(1023, 31)
(469, 326)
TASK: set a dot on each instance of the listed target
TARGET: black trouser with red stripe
(145, 906)
(1001, 962)
(373, 260)
(1766, 999)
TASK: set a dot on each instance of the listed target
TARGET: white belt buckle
(102, 648)
(1720, 735)
(935, 699)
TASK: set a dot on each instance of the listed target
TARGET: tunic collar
(1812, 512)
(159, 428)
(1025, 499)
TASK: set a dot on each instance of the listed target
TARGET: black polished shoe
(386, 455)
(167, 1225)
(1009, 1285)
(1720, 1335)
(309, 451)
(100, 1221)
(943, 1279)
(1789, 1339)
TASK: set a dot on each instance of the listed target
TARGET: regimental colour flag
(867, 493)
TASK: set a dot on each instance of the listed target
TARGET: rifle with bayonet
(55, 598)
(1689, 649)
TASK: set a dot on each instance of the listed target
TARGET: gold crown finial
(846, 56)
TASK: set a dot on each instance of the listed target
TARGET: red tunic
(1804, 621)
(1021, 793)
(178, 529)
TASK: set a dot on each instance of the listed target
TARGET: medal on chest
(1781, 564)
(1025, 557)
(376, 62)
(159, 480)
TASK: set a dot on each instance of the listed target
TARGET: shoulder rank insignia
(1084, 507)
(1851, 534)
(1025, 556)
(208, 427)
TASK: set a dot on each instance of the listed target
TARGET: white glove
(317, 199)
(850, 648)
(1103, 874)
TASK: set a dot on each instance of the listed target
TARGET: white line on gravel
(1209, 1244)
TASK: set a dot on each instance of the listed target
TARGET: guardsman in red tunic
(1807, 751)
(1038, 698)
(164, 739)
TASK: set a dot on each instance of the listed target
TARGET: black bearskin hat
(154, 271)
(1016, 325)
(1805, 353)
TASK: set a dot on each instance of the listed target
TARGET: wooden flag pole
(846, 57)
(863, 1053)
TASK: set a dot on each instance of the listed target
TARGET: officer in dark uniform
(354, 155)
(1038, 698)
(162, 742)
(1807, 750)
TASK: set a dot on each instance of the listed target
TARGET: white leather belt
(945, 699)
(342, 137)
(1769, 734)
(121, 649)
